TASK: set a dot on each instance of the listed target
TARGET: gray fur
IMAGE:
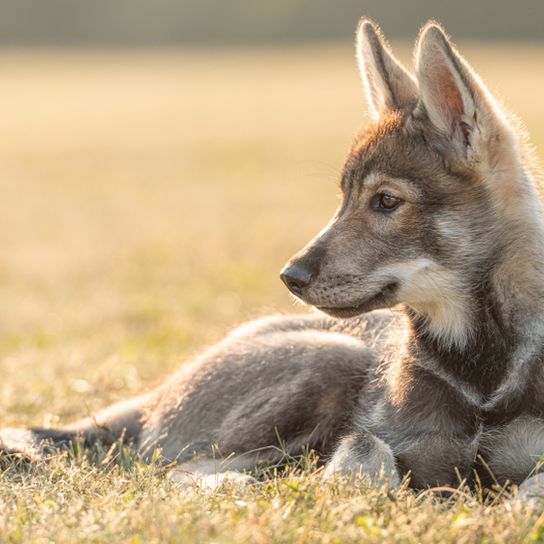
(447, 386)
(364, 454)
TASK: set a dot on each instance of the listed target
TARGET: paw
(362, 455)
(18, 445)
(531, 490)
(210, 482)
(371, 476)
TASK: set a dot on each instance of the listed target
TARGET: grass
(148, 201)
(83, 502)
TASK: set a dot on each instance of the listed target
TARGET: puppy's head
(421, 210)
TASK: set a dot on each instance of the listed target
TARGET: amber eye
(385, 202)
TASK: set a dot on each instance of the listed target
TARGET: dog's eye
(385, 202)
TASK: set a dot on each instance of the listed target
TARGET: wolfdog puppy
(440, 218)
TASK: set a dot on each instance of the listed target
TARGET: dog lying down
(440, 218)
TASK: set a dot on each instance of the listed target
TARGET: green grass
(130, 502)
(148, 201)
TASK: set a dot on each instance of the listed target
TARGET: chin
(385, 298)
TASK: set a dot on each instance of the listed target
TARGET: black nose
(296, 277)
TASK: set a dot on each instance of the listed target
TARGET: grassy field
(147, 203)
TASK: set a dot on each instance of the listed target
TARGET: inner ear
(452, 105)
(388, 85)
(443, 84)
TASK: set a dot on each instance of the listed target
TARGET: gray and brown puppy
(441, 217)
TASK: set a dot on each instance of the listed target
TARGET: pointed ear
(452, 96)
(387, 83)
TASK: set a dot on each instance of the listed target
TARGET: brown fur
(440, 218)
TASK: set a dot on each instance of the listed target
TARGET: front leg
(361, 453)
(514, 453)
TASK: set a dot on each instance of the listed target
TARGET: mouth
(379, 300)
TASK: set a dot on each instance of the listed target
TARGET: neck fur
(487, 330)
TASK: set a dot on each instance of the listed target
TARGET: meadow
(148, 200)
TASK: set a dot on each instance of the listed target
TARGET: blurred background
(127, 23)
(160, 161)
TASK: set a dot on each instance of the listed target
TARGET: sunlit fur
(438, 369)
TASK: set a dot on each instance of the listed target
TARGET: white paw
(209, 482)
(371, 476)
(364, 456)
(532, 489)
